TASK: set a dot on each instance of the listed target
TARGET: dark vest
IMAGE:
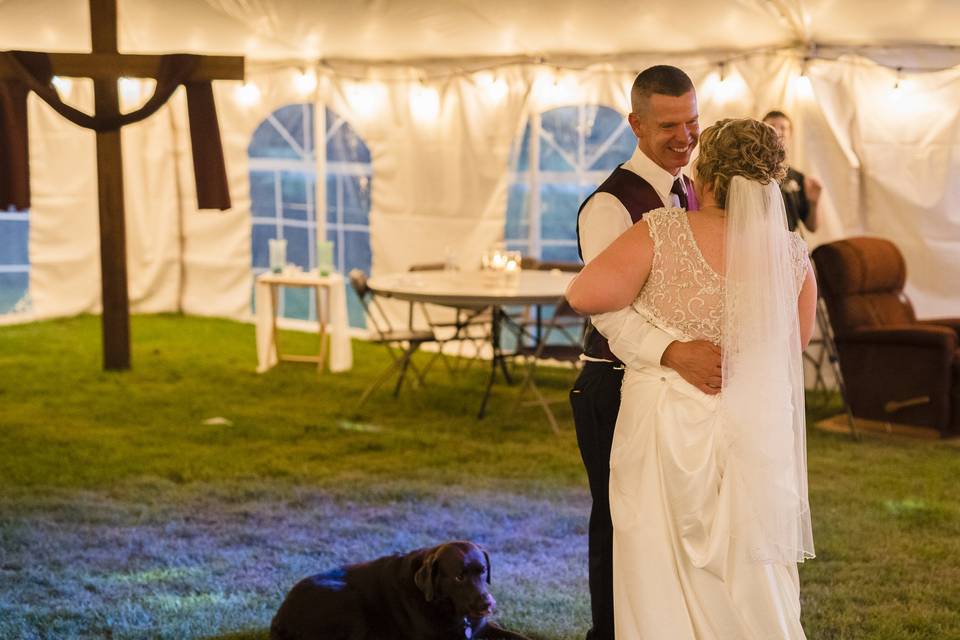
(638, 197)
(794, 198)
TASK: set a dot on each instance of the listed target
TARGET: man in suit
(665, 120)
(800, 193)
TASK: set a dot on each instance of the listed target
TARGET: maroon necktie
(678, 190)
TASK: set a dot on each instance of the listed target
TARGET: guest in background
(800, 193)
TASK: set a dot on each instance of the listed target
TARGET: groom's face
(667, 129)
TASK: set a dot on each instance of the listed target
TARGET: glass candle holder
(324, 257)
(278, 254)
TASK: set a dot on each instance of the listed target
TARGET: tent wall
(889, 160)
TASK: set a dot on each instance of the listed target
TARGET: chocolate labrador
(437, 593)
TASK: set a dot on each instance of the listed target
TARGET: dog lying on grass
(437, 593)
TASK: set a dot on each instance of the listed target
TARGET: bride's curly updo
(742, 147)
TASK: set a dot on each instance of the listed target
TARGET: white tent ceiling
(405, 30)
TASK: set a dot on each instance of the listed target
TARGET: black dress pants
(595, 399)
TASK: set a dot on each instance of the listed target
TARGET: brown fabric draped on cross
(14, 161)
(35, 75)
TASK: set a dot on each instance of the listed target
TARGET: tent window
(564, 154)
(14, 261)
(283, 194)
(348, 179)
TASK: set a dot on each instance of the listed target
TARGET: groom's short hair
(662, 79)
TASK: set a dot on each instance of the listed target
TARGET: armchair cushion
(862, 282)
(938, 338)
(903, 374)
(953, 323)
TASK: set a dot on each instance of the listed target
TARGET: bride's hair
(743, 147)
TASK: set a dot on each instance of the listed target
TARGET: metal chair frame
(401, 344)
(569, 351)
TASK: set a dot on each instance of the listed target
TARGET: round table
(477, 289)
(474, 288)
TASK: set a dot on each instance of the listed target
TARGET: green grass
(124, 515)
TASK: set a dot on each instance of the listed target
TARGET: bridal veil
(762, 402)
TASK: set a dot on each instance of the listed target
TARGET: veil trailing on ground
(763, 396)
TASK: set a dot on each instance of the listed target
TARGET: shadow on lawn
(262, 634)
(165, 562)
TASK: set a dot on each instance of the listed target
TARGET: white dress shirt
(632, 338)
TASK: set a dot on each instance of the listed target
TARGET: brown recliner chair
(896, 368)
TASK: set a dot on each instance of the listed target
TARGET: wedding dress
(684, 564)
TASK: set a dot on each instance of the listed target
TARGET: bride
(708, 493)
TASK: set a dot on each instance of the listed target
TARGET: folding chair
(525, 324)
(466, 324)
(401, 344)
(570, 326)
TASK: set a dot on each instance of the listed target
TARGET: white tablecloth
(340, 354)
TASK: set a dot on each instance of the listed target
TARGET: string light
(802, 84)
(366, 98)
(553, 86)
(305, 81)
(896, 83)
(494, 86)
(555, 89)
(247, 94)
(63, 85)
(424, 103)
(728, 85)
(129, 89)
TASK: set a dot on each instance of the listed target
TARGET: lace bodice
(683, 292)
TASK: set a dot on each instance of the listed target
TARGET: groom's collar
(659, 178)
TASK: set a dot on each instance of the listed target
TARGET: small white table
(477, 289)
(331, 304)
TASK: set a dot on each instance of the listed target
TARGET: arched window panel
(343, 143)
(14, 261)
(283, 194)
(283, 198)
(559, 204)
(610, 141)
(576, 147)
(285, 133)
(560, 138)
(348, 181)
(517, 232)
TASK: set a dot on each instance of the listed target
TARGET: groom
(664, 118)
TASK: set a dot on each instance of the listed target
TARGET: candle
(278, 254)
(324, 257)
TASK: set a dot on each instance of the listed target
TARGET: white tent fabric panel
(216, 277)
(440, 180)
(440, 131)
(909, 144)
(152, 212)
(64, 241)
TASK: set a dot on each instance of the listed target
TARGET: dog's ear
(486, 556)
(426, 576)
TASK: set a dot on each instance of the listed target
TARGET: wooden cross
(106, 66)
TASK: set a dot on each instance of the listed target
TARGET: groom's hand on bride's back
(697, 362)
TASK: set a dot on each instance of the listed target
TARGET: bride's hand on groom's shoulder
(698, 362)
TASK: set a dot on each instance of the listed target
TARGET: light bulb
(305, 81)
(424, 103)
(247, 94)
(63, 85)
